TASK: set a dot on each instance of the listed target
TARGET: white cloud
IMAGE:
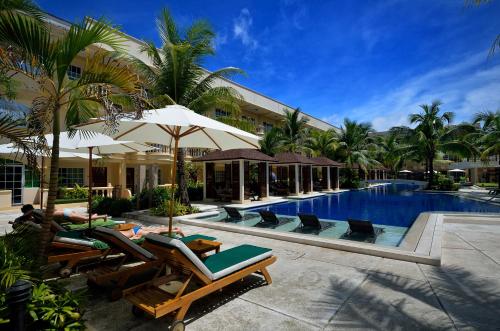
(465, 88)
(241, 29)
(219, 40)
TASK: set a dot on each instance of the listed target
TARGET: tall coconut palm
(270, 144)
(294, 131)
(433, 133)
(37, 55)
(489, 136)
(390, 153)
(177, 76)
(323, 143)
(355, 146)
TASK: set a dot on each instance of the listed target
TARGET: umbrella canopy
(161, 126)
(456, 170)
(8, 149)
(178, 127)
(433, 170)
(405, 171)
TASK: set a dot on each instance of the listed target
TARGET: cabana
(237, 175)
(292, 174)
(325, 174)
(377, 173)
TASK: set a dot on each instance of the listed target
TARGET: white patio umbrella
(405, 171)
(178, 127)
(11, 149)
(456, 170)
(433, 171)
(102, 143)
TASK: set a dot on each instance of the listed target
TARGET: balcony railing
(190, 152)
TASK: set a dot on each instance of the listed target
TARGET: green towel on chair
(77, 237)
(100, 222)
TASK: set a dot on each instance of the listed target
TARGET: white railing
(190, 152)
(105, 191)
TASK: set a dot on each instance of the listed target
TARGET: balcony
(190, 152)
(470, 163)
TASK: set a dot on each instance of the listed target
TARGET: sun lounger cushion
(234, 259)
(229, 261)
(193, 237)
(125, 241)
(95, 223)
(76, 238)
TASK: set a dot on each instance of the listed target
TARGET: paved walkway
(322, 289)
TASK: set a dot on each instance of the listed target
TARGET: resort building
(125, 174)
(478, 171)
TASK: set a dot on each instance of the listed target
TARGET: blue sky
(367, 60)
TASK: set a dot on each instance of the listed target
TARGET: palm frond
(26, 6)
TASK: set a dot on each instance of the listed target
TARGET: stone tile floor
(322, 289)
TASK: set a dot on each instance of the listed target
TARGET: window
(267, 126)
(31, 177)
(74, 72)
(221, 113)
(219, 176)
(68, 177)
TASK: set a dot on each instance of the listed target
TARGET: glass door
(12, 178)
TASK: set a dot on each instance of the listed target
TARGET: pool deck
(316, 288)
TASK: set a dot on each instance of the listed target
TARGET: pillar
(297, 179)
(142, 177)
(204, 181)
(328, 179)
(311, 183)
(473, 175)
(267, 179)
(242, 181)
(122, 179)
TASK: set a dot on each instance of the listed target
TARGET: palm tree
(24, 6)
(489, 135)
(271, 142)
(294, 131)
(390, 153)
(355, 146)
(433, 133)
(35, 54)
(177, 75)
(323, 143)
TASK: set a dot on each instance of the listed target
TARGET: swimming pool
(394, 204)
(392, 207)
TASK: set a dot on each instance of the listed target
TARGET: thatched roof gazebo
(326, 173)
(227, 174)
(294, 173)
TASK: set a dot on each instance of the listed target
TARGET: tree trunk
(181, 177)
(45, 235)
(431, 172)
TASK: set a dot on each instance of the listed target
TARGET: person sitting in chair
(134, 231)
(66, 214)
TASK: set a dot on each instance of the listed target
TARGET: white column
(338, 179)
(297, 184)
(122, 179)
(242, 181)
(473, 175)
(142, 177)
(311, 179)
(328, 181)
(267, 180)
(204, 181)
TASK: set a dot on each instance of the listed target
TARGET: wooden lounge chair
(311, 224)
(199, 277)
(362, 230)
(135, 260)
(233, 215)
(270, 220)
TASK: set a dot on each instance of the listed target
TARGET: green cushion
(233, 256)
(194, 237)
(79, 235)
(83, 226)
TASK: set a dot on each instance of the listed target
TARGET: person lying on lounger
(134, 231)
(66, 214)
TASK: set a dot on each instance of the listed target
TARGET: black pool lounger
(270, 220)
(233, 215)
(361, 229)
(311, 224)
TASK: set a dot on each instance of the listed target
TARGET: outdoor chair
(270, 220)
(309, 223)
(199, 277)
(362, 230)
(233, 215)
(223, 195)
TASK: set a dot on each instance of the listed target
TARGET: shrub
(350, 183)
(101, 205)
(195, 191)
(159, 195)
(120, 206)
(179, 209)
(78, 192)
(446, 184)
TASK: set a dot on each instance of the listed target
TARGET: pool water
(392, 207)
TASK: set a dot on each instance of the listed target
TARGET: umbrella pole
(172, 197)
(90, 188)
(41, 184)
